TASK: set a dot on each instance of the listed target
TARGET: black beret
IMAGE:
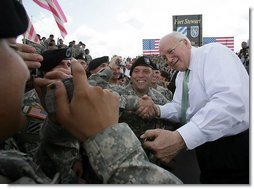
(81, 56)
(13, 19)
(51, 58)
(97, 62)
(143, 61)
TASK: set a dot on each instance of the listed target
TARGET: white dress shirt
(218, 96)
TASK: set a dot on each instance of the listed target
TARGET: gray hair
(179, 36)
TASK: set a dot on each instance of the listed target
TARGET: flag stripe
(56, 11)
(227, 41)
(54, 7)
(60, 10)
(30, 33)
(42, 4)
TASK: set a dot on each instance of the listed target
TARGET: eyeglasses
(171, 51)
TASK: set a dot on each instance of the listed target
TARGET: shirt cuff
(192, 135)
(163, 111)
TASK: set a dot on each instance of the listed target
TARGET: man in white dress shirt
(217, 115)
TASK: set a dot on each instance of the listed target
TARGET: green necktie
(185, 97)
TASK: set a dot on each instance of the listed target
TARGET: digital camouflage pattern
(138, 124)
(117, 157)
(102, 78)
(38, 47)
(57, 152)
(19, 168)
(165, 92)
(28, 139)
(50, 146)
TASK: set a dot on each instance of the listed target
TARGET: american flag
(151, 46)
(54, 7)
(227, 41)
(30, 33)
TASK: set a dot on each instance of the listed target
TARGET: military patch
(37, 113)
(194, 31)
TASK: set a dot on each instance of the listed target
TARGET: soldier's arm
(57, 152)
(116, 155)
(111, 145)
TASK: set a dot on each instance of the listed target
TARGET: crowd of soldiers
(64, 153)
(44, 151)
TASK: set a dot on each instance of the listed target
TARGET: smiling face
(141, 79)
(156, 77)
(175, 51)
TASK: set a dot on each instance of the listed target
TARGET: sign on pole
(190, 26)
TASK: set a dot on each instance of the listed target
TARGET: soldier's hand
(147, 108)
(165, 144)
(29, 55)
(56, 74)
(91, 109)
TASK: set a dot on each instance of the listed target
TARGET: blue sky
(118, 26)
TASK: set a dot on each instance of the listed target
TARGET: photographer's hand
(29, 55)
(91, 109)
(58, 73)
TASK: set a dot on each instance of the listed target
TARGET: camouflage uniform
(38, 47)
(165, 92)
(129, 103)
(57, 152)
(49, 145)
(19, 168)
(28, 139)
(137, 124)
(117, 156)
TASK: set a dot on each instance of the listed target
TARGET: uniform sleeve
(57, 152)
(116, 156)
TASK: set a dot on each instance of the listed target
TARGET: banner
(190, 26)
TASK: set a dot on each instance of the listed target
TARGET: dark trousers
(225, 161)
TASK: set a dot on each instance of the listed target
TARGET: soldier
(88, 56)
(97, 64)
(141, 75)
(244, 55)
(154, 83)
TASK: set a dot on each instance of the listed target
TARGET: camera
(48, 93)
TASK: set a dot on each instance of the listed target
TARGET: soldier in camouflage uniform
(154, 83)
(58, 149)
(141, 75)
